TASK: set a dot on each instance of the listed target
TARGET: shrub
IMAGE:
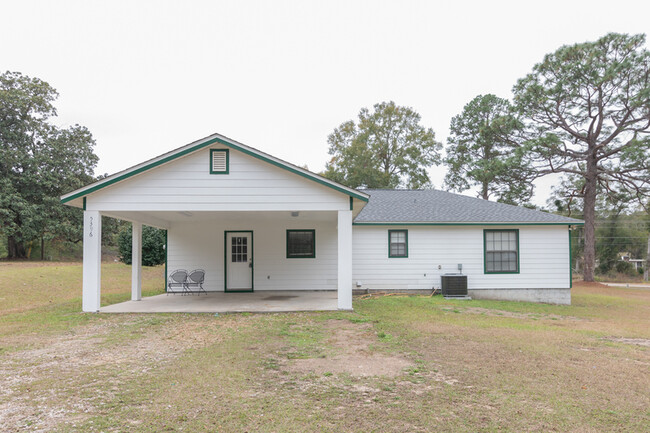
(153, 245)
(624, 267)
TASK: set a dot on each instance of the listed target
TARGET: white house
(255, 223)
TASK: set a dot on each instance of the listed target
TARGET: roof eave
(198, 145)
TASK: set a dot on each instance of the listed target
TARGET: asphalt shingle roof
(433, 206)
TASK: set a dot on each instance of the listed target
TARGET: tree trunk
(15, 249)
(485, 192)
(646, 270)
(42, 248)
(591, 182)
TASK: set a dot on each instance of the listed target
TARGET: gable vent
(219, 161)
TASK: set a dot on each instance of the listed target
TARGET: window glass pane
(398, 250)
(397, 247)
(489, 242)
(501, 251)
(300, 243)
(512, 261)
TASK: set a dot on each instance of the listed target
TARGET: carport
(249, 221)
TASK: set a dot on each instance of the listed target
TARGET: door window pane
(239, 249)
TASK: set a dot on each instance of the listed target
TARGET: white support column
(345, 260)
(136, 262)
(92, 263)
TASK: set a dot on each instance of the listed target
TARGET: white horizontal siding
(544, 258)
(186, 184)
(193, 245)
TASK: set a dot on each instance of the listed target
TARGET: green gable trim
(464, 224)
(84, 205)
(227, 152)
(293, 170)
(200, 146)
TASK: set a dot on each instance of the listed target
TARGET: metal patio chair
(195, 280)
(177, 282)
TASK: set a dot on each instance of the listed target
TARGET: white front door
(239, 261)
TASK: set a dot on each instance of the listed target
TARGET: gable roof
(431, 207)
(198, 145)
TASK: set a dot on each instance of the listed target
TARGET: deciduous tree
(386, 148)
(38, 163)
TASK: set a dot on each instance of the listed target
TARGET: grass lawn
(396, 364)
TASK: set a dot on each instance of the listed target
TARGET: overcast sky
(149, 76)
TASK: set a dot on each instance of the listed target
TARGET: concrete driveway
(220, 302)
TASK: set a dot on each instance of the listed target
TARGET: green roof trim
(204, 144)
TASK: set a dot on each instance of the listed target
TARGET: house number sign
(90, 228)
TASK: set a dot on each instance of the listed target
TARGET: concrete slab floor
(267, 301)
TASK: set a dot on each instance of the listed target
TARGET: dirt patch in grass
(353, 354)
(512, 314)
(635, 341)
(88, 364)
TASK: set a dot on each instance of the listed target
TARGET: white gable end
(206, 180)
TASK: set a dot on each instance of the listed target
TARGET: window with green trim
(301, 244)
(398, 243)
(219, 161)
(501, 251)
